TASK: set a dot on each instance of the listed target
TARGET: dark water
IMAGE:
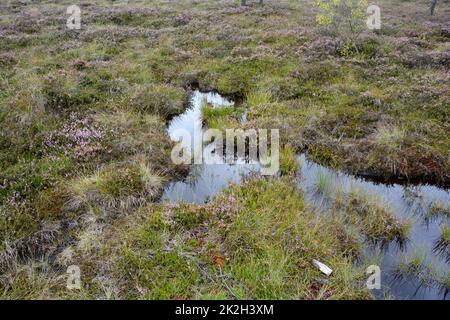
(205, 181)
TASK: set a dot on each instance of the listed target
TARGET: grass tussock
(416, 266)
(289, 164)
(442, 245)
(437, 210)
(34, 280)
(247, 243)
(164, 100)
(222, 117)
(390, 137)
(120, 186)
(377, 221)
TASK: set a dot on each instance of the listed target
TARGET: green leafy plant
(346, 17)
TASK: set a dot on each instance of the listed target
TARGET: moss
(50, 203)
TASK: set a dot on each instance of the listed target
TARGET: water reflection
(407, 203)
(320, 184)
(203, 181)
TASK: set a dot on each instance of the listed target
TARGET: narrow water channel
(205, 181)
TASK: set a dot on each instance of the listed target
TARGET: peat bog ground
(86, 176)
